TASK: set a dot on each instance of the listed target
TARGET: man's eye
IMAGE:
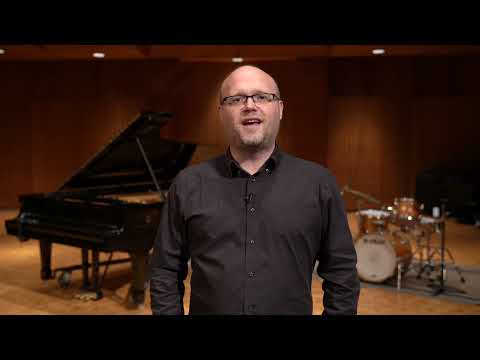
(235, 100)
(261, 97)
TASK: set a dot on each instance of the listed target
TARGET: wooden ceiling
(221, 53)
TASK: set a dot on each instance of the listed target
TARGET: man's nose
(249, 104)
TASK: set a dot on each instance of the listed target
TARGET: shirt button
(252, 241)
(252, 210)
(252, 179)
(251, 274)
(267, 170)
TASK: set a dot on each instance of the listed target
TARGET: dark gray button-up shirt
(253, 241)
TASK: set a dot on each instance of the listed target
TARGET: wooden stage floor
(22, 291)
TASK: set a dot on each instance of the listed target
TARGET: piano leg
(137, 290)
(95, 273)
(86, 281)
(46, 260)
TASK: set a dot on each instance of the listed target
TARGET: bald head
(250, 126)
(247, 73)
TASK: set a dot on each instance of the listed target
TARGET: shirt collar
(269, 166)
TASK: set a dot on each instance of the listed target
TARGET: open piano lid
(121, 165)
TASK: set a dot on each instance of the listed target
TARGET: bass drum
(378, 256)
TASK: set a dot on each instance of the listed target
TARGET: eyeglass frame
(246, 97)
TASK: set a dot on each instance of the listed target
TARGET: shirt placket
(250, 242)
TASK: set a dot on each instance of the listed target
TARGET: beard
(252, 139)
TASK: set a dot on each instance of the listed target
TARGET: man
(254, 221)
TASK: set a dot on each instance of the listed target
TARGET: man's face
(250, 125)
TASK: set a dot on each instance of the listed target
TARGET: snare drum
(378, 256)
(373, 221)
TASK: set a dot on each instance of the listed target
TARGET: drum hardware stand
(427, 264)
(399, 275)
(441, 287)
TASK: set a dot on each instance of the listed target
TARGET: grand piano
(111, 204)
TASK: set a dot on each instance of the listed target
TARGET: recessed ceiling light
(378, 51)
(237, 59)
(2, 51)
(98, 55)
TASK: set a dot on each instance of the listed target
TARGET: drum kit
(397, 239)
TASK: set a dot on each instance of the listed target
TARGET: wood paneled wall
(57, 115)
(15, 133)
(304, 89)
(375, 122)
(391, 118)
(370, 126)
(369, 146)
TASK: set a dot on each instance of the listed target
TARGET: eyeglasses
(260, 98)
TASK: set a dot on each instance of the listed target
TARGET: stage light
(378, 51)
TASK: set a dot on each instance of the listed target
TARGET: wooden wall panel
(15, 133)
(369, 146)
(126, 88)
(432, 77)
(65, 97)
(375, 122)
(77, 107)
(415, 113)
(466, 76)
(369, 126)
(391, 77)
(304, 89)
(195, 102)
(447, 132)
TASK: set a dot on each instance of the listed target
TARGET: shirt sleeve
(169, 265)
(337, 258)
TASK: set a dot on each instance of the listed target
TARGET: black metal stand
(438, 289)
(441, 286)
